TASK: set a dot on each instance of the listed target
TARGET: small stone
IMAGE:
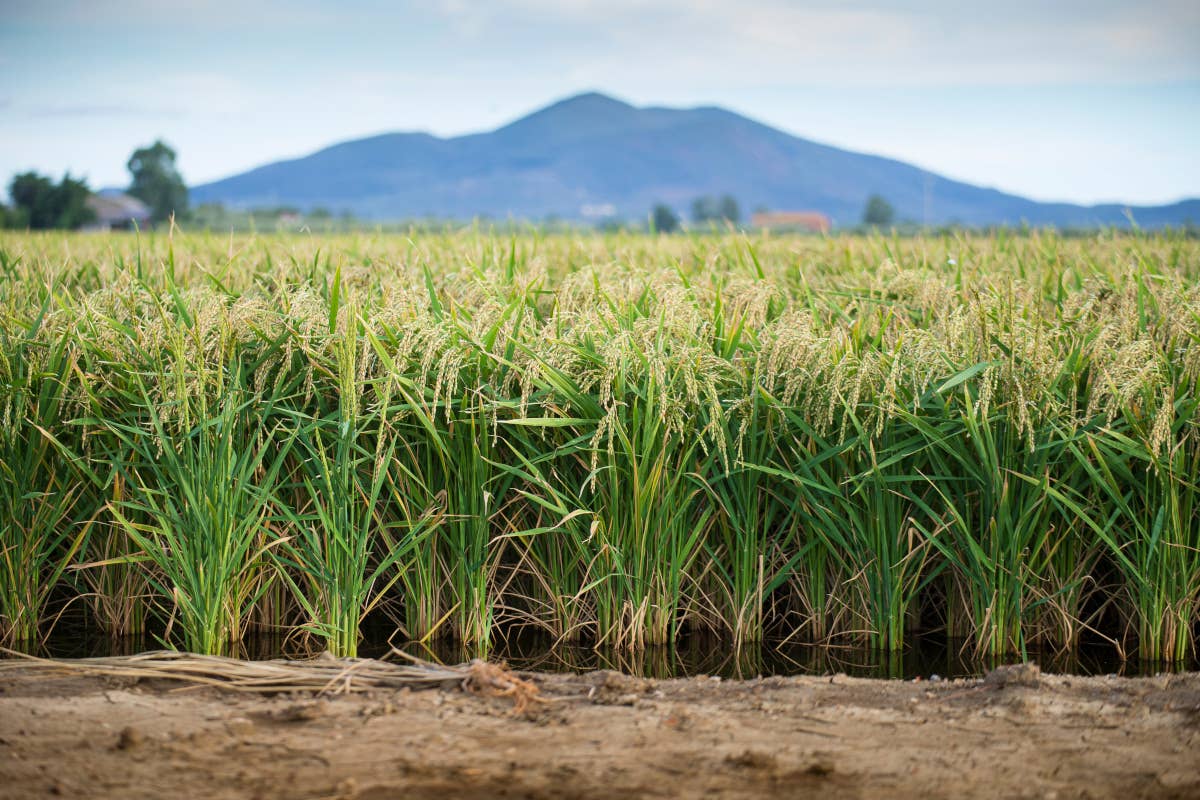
(1027, 674)
(299, 712)
(129, 738)
(752, 759)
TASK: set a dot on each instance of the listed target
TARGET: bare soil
(605, 735)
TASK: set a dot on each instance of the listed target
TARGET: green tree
(729, 210)
(704, 209)
(156, 181)
(716, 209)
(878, 212)
(664, 219)
(40, 204)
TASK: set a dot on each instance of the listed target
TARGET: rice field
(611, 439)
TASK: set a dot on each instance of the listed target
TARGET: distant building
(117, 212)
(813, 221)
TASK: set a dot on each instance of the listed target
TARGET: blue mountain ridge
(594, 150)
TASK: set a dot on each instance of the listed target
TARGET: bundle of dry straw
(323, 675)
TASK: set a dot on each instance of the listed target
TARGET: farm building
(813, 221)
(117, 212)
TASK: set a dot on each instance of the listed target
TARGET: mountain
(594, 154)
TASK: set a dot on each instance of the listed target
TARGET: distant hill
(585, 154)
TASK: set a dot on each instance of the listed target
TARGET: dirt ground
(604, 735)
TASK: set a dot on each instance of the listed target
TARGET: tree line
(877, 213)
(705, 209)
(37, 202)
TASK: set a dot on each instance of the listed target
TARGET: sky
(1077, 101)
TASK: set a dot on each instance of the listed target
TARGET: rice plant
(202, 495)
(615, 439)
(1145, 508)
(992, 513)
(332, 542)
(41, 481)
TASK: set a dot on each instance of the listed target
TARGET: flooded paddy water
(921, 659)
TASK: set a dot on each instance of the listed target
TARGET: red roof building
(812, 221)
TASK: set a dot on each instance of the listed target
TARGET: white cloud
(869, 43)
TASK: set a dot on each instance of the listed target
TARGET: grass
(612, 439)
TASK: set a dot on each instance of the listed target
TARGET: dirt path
(603, 735)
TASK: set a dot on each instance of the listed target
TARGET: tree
(716, 209)
(40, 204)
(728, 209)
(878, 212)
(664, 219)
(611, 225)
(156, 181)
(704, 209)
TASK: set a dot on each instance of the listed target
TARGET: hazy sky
(1082, 101)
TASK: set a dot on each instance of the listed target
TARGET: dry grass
(324, 675)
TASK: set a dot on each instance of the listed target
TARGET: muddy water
(694, 655)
